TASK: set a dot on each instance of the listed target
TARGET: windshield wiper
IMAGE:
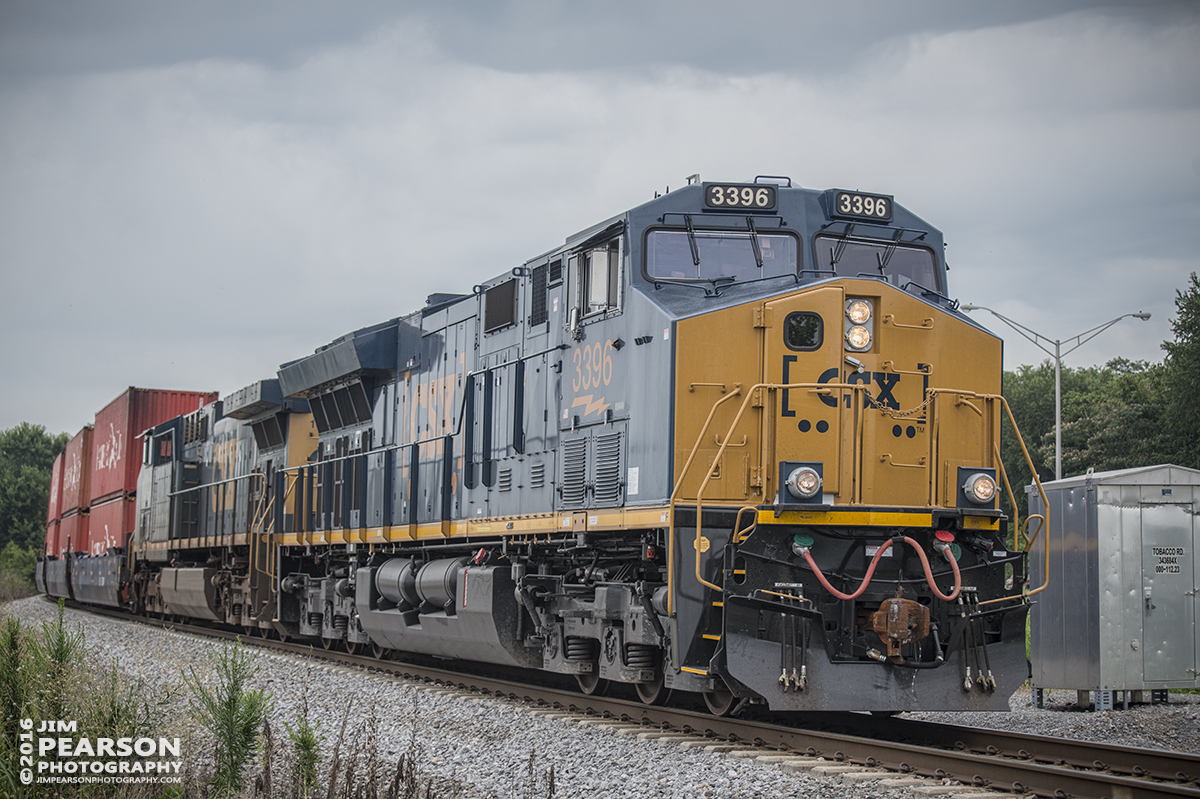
(715, 283)
(885, 256)
(835, 252)
(687, 219)
(758, 256)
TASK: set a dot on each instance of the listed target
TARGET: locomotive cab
(836, 506)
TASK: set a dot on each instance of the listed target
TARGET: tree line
(1121, 415)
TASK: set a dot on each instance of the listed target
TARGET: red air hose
(875, 562)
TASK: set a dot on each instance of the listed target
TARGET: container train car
(737, 442)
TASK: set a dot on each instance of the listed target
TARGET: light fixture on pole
(1058, 353)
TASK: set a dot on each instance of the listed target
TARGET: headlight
(858, 337)
(858, 311)
(803, 483)
(980, 489)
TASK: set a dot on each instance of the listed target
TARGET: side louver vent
(537, 475)
(574, 486)
(608, 469)
(504, 482)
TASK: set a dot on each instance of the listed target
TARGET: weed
(232, 713)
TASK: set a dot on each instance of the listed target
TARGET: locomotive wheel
(652, 693)
(720, 700)
(352, 648)
(591, 684)
(379, 651)
(330, 644)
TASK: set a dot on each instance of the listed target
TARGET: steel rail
(1054, 768)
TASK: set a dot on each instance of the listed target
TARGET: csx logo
(885, 383)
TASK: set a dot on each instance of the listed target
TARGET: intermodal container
(72, 533)
(54, 511)
(77, 472)
(110, 524)
(119, 428)
(52, 529)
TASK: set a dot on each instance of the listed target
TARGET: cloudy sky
(193, 193)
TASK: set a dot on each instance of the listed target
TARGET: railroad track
(1044, 766)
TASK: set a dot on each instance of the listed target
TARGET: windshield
(898, 263)
(723, 254)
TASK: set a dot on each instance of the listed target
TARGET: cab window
(900, 264)
(705, 255)
(595, 279)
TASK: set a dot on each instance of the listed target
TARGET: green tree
(1182, 378)
(1113, 418)
(27, 455)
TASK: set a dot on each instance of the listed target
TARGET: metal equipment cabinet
(1120, 610)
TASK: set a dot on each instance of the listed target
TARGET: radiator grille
(608, 469)
(574, 487)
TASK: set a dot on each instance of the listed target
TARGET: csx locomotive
(737, 441)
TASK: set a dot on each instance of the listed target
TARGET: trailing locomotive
(737, 441)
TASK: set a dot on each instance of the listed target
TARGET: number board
(863, 206)
(739, 196)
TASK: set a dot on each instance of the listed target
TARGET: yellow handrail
(857, 409)
(824, 387)
(737, 389)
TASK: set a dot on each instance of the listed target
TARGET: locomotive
(737, 442)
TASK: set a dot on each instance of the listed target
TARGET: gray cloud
(196, 194)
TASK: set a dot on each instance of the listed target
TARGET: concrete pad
(773, 759)
(726, 748)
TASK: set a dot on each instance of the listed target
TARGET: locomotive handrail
(740, 535)
(216, 483)
(737, 389)
(855, 388)
(1008, 487)
(856, 410)
(926, 324)
(1029, 540)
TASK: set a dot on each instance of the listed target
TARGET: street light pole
(1036, 339)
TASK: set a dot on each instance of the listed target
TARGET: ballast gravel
(488, 747)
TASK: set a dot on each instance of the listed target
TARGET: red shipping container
(109, 523)
(77, 472)
(118, 437)
(52, 538)
(54, 512)
(73, 533)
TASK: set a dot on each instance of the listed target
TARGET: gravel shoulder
(487, 744)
